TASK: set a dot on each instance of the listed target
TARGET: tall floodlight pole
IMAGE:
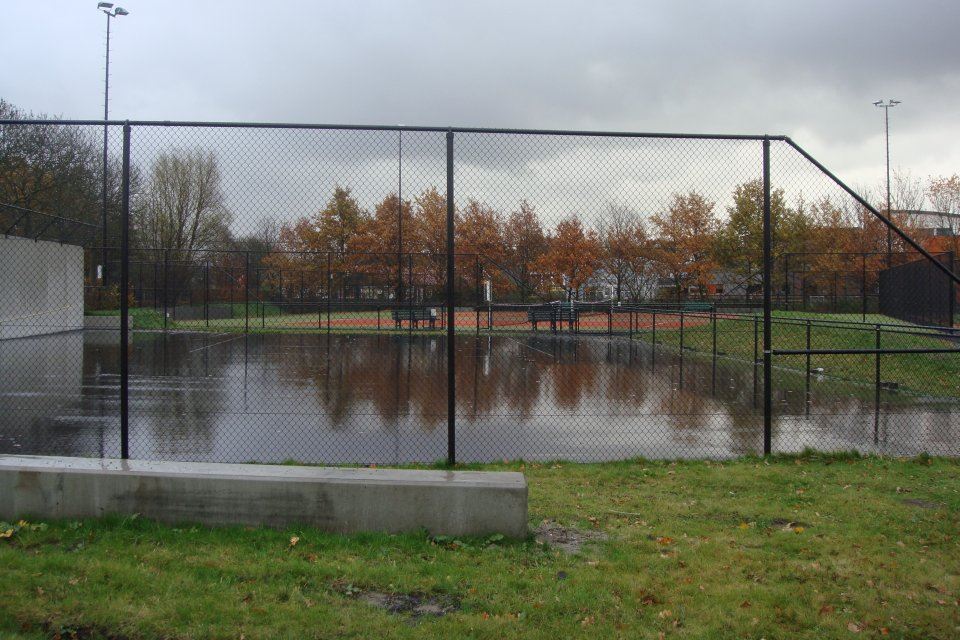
(111, 12)
(886, 106)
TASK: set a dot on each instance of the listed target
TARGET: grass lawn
(794, 547)
(928, 374)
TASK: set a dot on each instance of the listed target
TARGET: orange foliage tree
(686, 236)
(572, 256)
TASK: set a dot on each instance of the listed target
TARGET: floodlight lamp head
(105, 5)
(893, 102)
(120, 11)
(878, 103)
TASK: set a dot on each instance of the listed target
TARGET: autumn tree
(479, 231)
(379, 239)
(525, 244)
(943, 192)
(430, 236)
(572, 256)
(740, 240)
(685, 239)
(624, 247)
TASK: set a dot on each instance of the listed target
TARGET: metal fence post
(876, 390)
(767, 285)
(246, 292)
(681, 348)
(206, 293)
(713, 349)
(451, 350)
(329, 287)
(124, 302)
(807, 376)
(863, 287)
(166, 272)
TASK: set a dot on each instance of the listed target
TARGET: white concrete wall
(41, 287)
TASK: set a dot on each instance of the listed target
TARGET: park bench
(697, 306)
(536, 315)
(414, 316)
(554, 314)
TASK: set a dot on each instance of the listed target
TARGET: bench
(414, 316)
(554, 314)
(697, 306)
(542, 314)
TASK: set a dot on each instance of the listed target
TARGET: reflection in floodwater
(382, 398)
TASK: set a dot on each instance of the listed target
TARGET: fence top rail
(857, 352)
(721, 314)
(48, 216)
(397, 127)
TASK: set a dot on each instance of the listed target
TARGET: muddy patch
(415, 604)
(923, 504)
(784, 523)
(567, 539)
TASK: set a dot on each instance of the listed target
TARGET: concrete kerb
(342, 500)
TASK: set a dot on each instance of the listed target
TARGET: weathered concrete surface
(41, 287)
(334, 499)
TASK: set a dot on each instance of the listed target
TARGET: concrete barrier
(343, 500)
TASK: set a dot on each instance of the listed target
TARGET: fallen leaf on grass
(854, 627)
(827, 608)
(294, 540)
(745, 604)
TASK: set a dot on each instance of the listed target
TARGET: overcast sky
(809, 69)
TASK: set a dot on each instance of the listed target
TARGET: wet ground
(382, 399)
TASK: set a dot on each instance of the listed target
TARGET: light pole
(886, 106)
(111, 12)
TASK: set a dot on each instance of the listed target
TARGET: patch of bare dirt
(923, 504)
(415, 604)
(567, 539)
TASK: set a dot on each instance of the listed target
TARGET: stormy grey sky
(808, 69)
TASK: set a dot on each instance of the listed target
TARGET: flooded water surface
(382, 399)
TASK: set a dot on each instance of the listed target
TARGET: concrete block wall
(41, 287)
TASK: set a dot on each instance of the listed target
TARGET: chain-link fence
(246, 292)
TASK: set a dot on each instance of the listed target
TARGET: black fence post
(329, 288)
(756, 355)
(681, 348)
(479, 291)
(713, 349)
(653, 342)
(876, 389)
(807, 394)
(951, 295)
(206, 292)
(246, 292)
(863, 287)
(786, 282)
(767, 285)
(410, 290)
(451, 350)
(166, 272)
(124, 302)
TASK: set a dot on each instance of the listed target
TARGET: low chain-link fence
(248, 292)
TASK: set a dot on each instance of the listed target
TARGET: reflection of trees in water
(172, 401)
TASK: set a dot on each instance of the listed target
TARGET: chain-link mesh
(287, 288)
